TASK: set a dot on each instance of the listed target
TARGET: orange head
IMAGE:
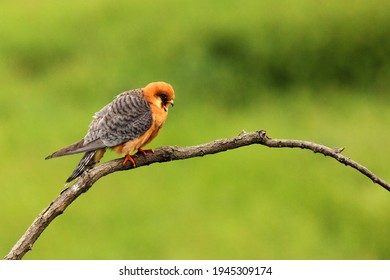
(159, 94)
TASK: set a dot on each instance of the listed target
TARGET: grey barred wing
(126, 118)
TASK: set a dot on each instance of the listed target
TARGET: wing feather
(126, 118)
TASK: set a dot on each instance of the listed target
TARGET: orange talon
(144, 152)
(129, 158)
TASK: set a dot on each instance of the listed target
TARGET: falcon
(131, 121)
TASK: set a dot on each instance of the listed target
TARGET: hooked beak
(166, 107)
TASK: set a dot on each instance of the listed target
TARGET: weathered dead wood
(164, 154)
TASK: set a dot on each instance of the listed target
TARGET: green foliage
(298, 69)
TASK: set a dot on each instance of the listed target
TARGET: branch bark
(164, 154)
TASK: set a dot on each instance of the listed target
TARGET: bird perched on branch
(128, 123)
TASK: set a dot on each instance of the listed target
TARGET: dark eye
(164, 98)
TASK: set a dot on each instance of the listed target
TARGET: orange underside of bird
(131, 121)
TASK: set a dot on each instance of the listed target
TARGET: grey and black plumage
(126, 124)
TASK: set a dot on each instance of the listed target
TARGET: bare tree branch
(164, 154)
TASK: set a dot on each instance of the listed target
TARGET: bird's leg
(130, 158)
(144, 152)
(127, 158)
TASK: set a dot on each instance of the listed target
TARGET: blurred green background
(312, 70)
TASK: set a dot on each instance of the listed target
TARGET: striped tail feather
(87, 161)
